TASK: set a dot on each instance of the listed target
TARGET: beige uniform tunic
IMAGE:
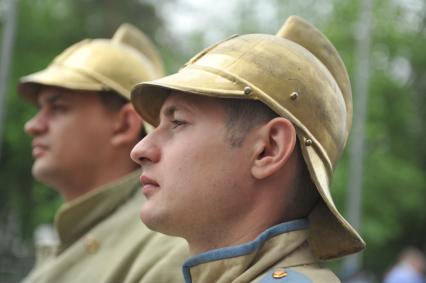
(280, 254)
(102, 239)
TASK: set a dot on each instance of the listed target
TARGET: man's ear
(127, 126)
(274, 147)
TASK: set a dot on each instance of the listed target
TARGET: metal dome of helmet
(297, 73)
(114, 64)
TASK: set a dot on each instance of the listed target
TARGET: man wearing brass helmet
(82, 135)
(248, 134)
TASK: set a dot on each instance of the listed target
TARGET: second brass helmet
(114, 64)
(297, 73)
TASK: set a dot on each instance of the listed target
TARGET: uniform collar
(76, 217)
(250, 259)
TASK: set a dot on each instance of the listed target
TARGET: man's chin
(161, 221)
(42, 172)
(147, 217)
(153, 219)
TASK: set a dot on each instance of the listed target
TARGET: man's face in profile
(68, 132)
(192, 177)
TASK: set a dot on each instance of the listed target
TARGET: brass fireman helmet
(114, 64)
(297, 73)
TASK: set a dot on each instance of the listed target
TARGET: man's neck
(85, 183)
(231, 234)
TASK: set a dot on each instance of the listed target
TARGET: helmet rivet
(294, 95)
(279, 273)
(308, 142)
(247, 90)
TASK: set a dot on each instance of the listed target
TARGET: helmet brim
(57, 76)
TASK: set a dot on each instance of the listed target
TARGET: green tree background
(394, 185)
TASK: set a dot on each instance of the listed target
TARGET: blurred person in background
(410, 268)
(82, 134)
(248, 134)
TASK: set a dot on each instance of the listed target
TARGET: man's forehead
(178, 102)
(187, 102)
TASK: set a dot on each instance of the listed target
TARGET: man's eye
(177, 123)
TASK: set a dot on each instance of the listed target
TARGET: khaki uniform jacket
(280, 254)
(102, 240)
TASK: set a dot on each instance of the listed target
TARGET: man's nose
(36, 125)
(146, 151)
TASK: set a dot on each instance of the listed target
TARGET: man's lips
(38, 149)
(148, 185)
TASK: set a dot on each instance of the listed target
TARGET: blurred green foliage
(394, 184)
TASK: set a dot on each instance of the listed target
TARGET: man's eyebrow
(53, 98)
(50, 99)
(169, 111)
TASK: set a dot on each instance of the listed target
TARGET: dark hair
(242, 116)
(114, 101)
